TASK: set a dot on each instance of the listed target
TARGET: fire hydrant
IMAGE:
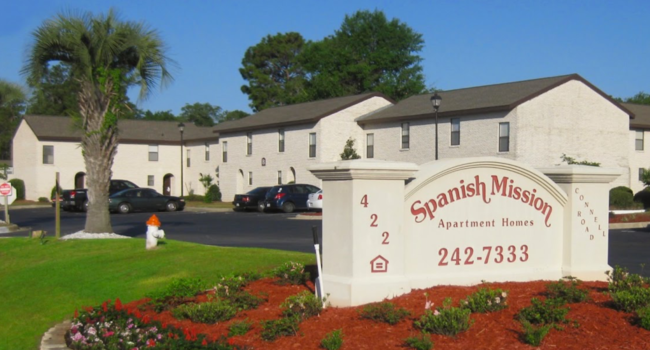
(153, 232)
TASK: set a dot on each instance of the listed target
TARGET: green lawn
(42, 284)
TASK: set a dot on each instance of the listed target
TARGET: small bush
(486, 300)
(445, 321)
(210, 312)
(243, 300)
(567, 290)
(274, 329)
(178, 290)
(644, 317)
(619, 279)
(421, 342)
(239, 328)
(231, 284)
(384, 312)
(541, 313)
(291, 273)
(43, 200)
(533, 335)
(19, 186)
(621, 197)
(302, 306)
(332, 340)
(193, 198)
(643, 197)
(631, 299)
(53, 191)
(214, 194)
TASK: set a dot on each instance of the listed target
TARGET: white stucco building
(534, 121)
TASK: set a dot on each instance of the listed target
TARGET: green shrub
(239, 328)
(384, 312)
(302, 306)
(43, 200)
(176, 292)
(243, 300)
(486, 300)
(193, 198)
(541, 313)
(567, 290)
(332, 340)
(274, 329)
(53, 191)
(631, 299)
(214, 194)
(619, 279)
(19, 186)
(533, 335)
(445, 321)
(621, 197)
(291, 273)
(644, 317)
(421, 342)
(643, 197)
(231, 284)
(209, 312)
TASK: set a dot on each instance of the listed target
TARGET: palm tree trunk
(99, 145)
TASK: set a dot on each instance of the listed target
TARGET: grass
(42, 284)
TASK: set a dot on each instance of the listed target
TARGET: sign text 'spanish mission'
(503, 186)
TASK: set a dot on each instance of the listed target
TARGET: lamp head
(181, 126)
(435, 101)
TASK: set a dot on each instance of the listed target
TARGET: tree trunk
(99, 145)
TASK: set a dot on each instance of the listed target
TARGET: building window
(641, 172)
(405, 136)
(207, 151)
(504, 137)
(250, 178)
(370, 146)
(455, 131)
(150, 180)
(279, 177)
(312, 145)
(188, 158)
(224, 148)
(153, 153)
(249, 143)
(48, 154)
(638, 143)
(281, 140)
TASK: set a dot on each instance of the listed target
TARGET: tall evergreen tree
(12, 106)
(105, 56)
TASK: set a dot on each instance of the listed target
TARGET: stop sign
(5, 189)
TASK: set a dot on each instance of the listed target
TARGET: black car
(250, 199)
(287, 197)
(143, 199)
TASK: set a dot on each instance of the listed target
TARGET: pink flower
(436, 313)
(428, 305)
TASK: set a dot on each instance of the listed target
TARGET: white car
(315, 200)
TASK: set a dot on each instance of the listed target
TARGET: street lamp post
(435, 102)
(181, 127)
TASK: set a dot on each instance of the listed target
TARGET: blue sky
(467, 43)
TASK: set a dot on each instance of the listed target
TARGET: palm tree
(106, 56)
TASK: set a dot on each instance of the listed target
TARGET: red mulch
(600, 327)
(627, 218)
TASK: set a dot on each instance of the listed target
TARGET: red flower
(104, 306)
(118, 304)
(146, 319)
(151, 343)
(204, 342)
(137, 313)
(231, 341)
(76, 313)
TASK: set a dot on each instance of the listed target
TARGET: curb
(54, 338)
(629, 225)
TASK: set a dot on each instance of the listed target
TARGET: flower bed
(593, 323)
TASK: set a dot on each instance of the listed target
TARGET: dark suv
(287, 197)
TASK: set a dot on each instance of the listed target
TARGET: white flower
(428, 305)
(497, 300)
(489, 302)
(504, 294)
(92, 331)
(436, 313)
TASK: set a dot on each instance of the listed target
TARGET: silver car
(315, 200)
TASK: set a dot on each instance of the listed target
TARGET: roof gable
(300, 113)
(480, 99)
(641, 113)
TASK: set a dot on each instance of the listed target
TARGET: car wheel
(261, 207)
(124, 208)
(171, 206)
(288, 207)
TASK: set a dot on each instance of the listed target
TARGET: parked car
(77, 199)
(250, 199)
(287, 197)
(315, 200)
(143, 199)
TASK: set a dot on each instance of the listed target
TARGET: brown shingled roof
(54, 128)
(300, 113)
(641, 115)
(481, 99)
